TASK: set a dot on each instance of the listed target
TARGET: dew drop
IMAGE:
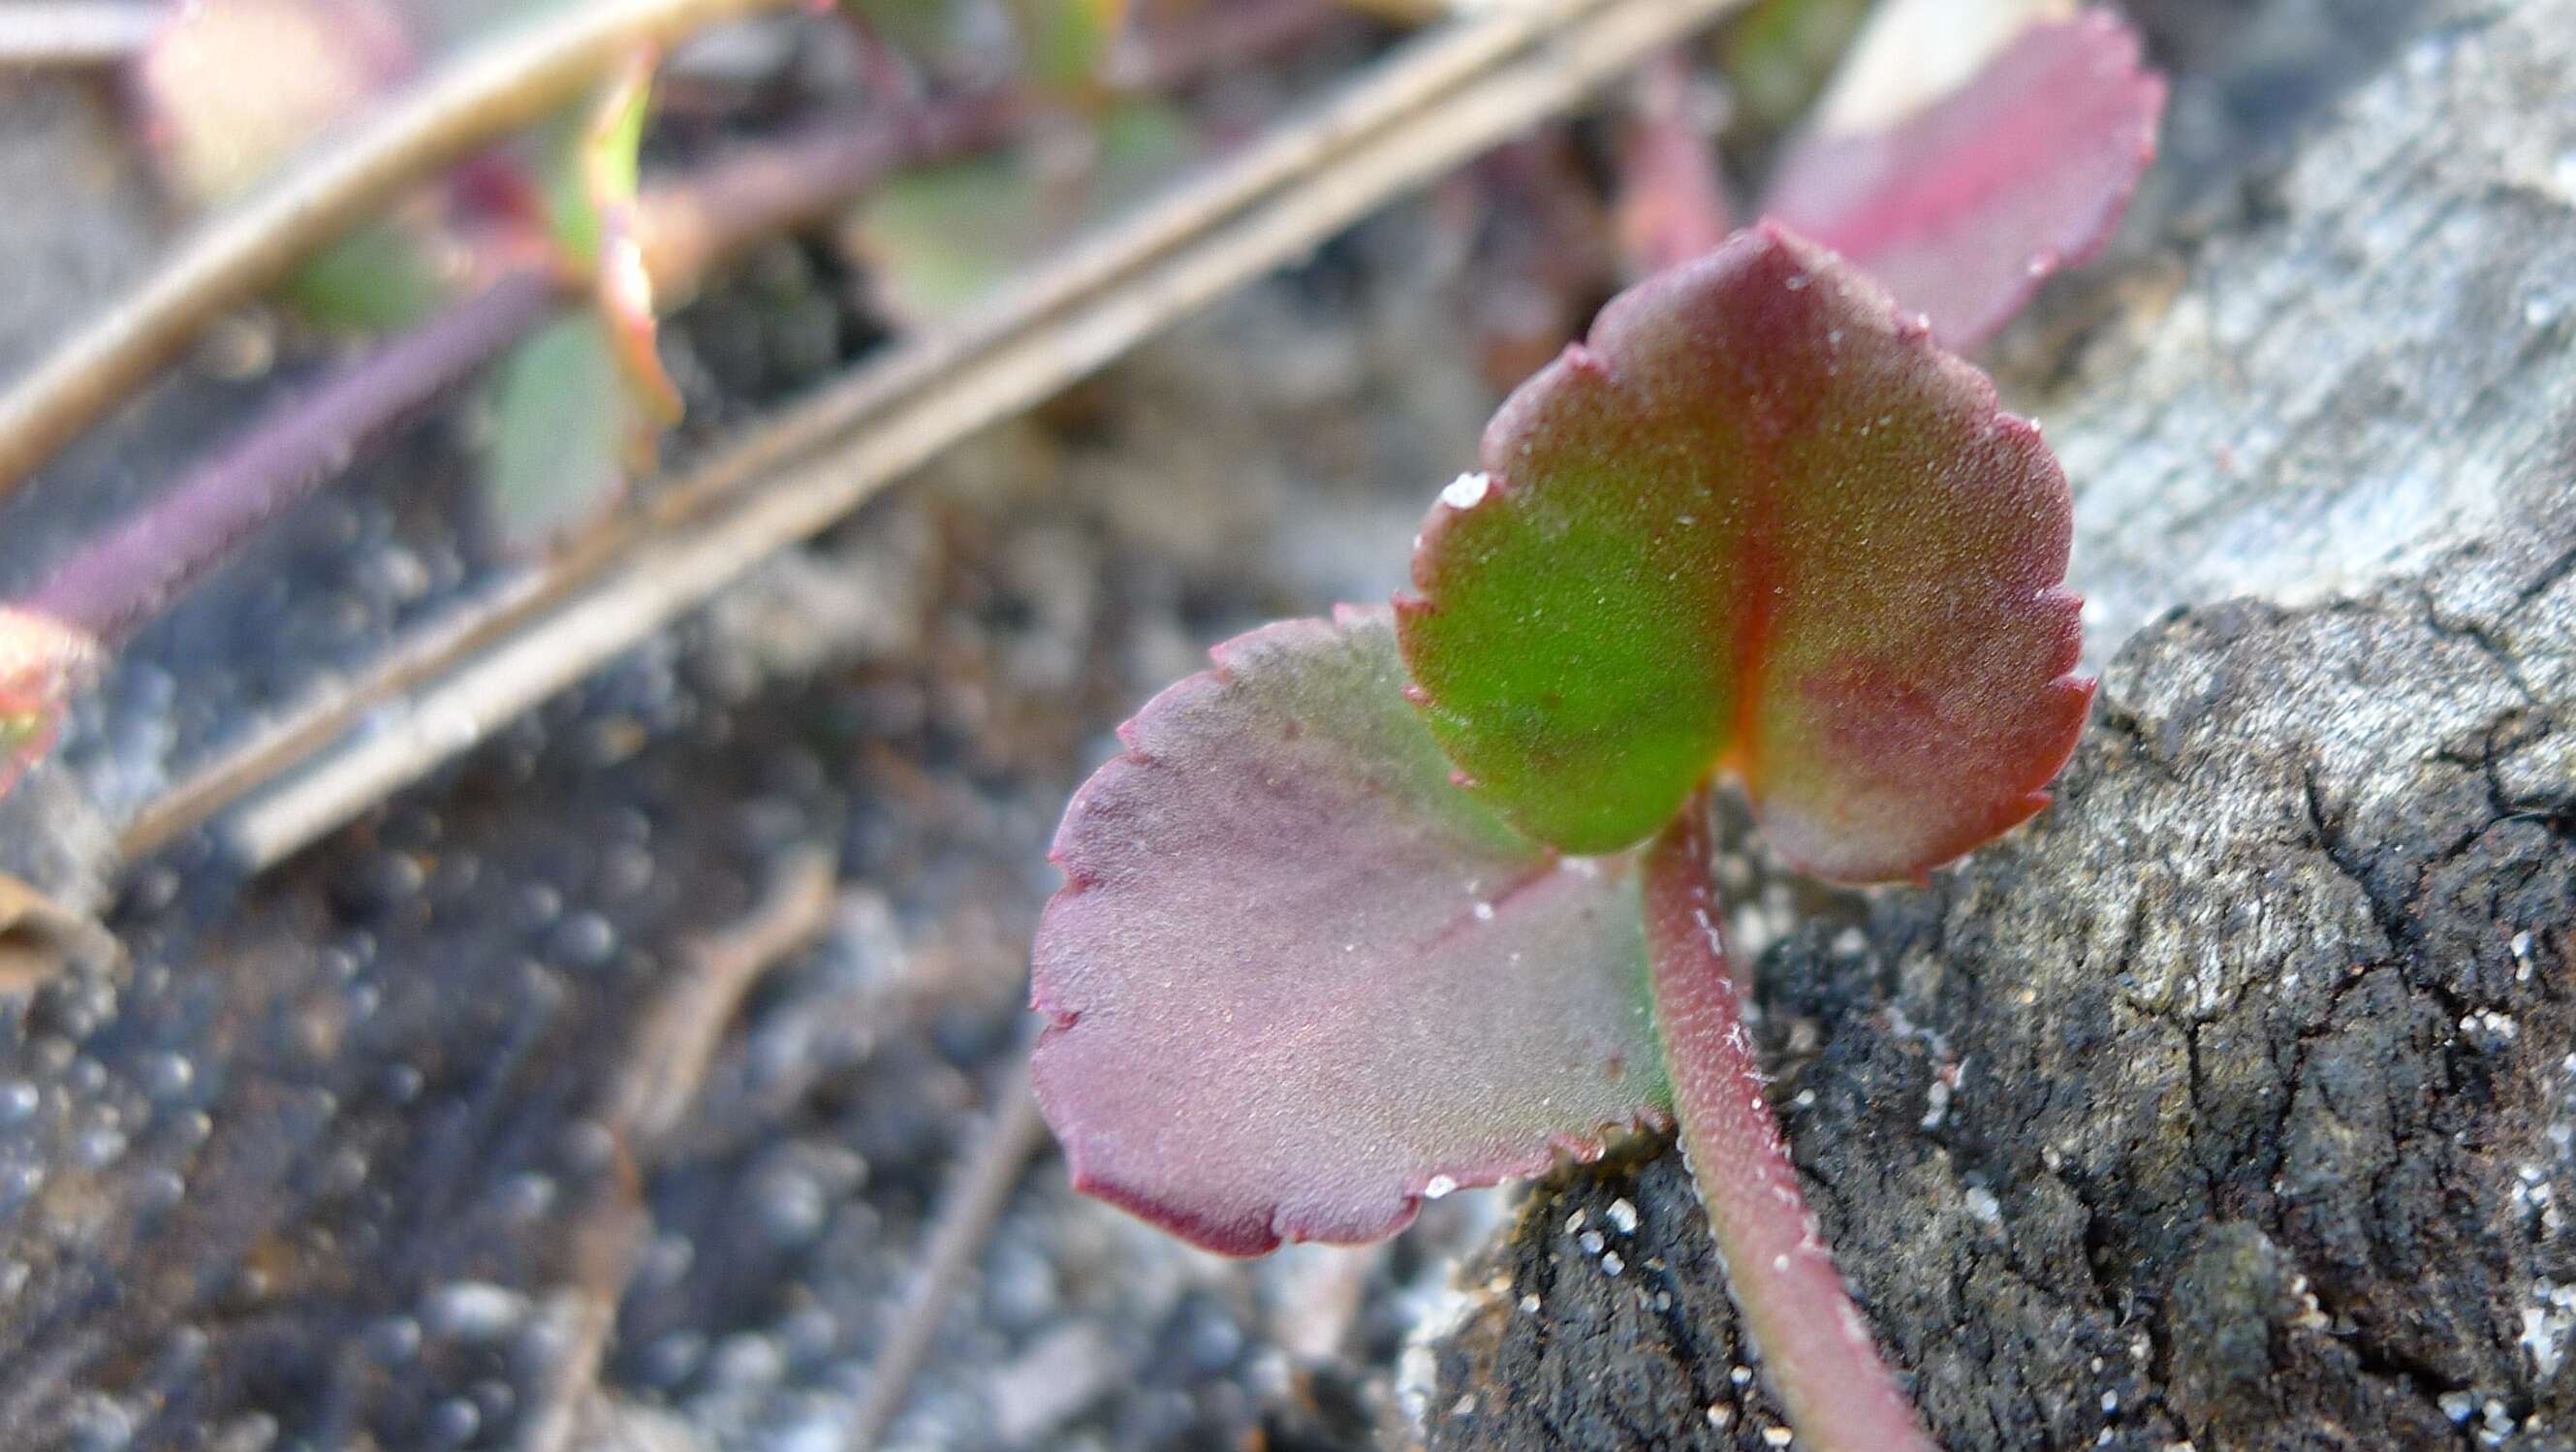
(1440, 1187)
(1466, 491)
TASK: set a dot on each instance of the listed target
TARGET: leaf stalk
(1816, 1349)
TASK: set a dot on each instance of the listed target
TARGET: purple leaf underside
(1962, 209)
(1300, 981)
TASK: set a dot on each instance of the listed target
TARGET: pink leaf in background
(1299, 981)
(1961, 208)
(1755, 522)
(230, 88)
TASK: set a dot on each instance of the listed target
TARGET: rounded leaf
(1756, 522)
(1298, 981)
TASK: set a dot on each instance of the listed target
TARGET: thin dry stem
(506, 84)
(681, 1032)
(966, 1217)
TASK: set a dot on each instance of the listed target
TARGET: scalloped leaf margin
(1298, 981)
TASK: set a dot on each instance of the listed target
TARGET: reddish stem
(120, 580)
(1815, 1347)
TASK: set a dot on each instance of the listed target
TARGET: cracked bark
(2261, 1036)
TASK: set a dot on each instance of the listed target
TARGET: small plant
(1414, 899)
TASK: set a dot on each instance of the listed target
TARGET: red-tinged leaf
(229, 88)
(1756, 523)
(1962, 207)
(42, 662)
(611, 170)
(1298, 981)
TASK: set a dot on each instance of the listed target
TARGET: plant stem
(120, 580)
(508, 83)
(1815, 1347)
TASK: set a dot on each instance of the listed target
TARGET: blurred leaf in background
(382, 277)
(562, 423)
(610, 165)
(1064, 43)
(1777, 58)
(938, 236)
(229, 88)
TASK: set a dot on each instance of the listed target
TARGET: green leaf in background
(1064, 42)
(591, 177)
(562, 423)
(383, 276)
(1778, 57)
(572, 216)
(937, 237)
(932, 30)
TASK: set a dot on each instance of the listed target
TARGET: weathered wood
(2229, 1106)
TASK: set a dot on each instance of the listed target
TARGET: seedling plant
(1420, 897)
